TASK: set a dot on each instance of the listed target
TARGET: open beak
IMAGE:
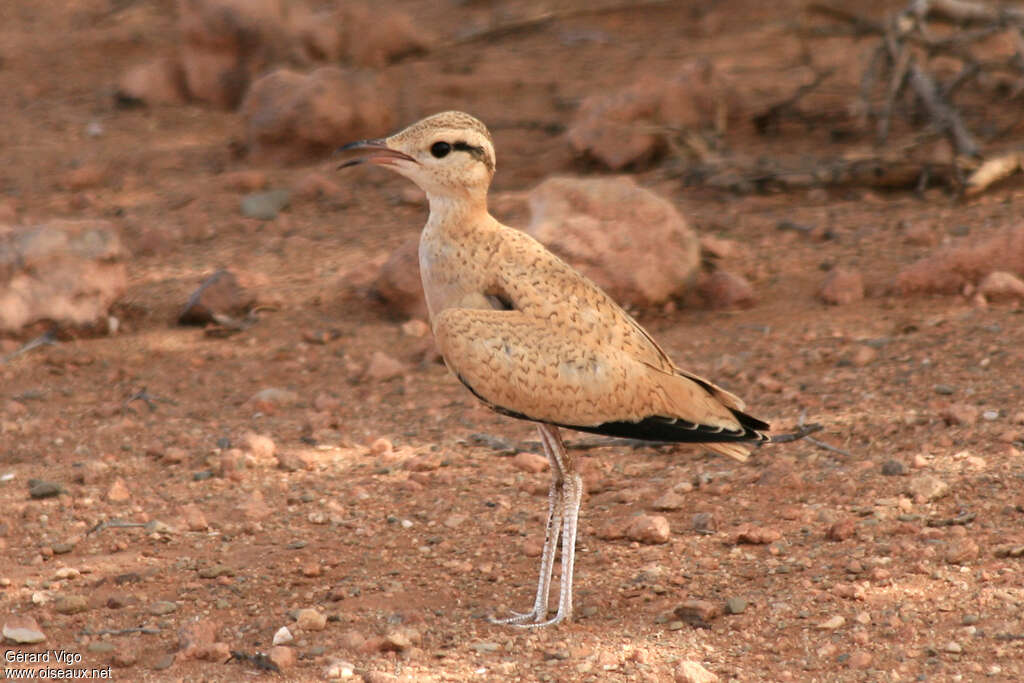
(379, 153)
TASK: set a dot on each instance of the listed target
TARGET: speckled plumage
(535, 339)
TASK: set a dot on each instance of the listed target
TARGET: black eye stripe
(466, 147)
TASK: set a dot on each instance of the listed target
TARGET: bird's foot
(532, 619)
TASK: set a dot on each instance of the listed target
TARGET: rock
(927, 488)
(893, 468)
(960, 414)
(859, 660)
(953, 647)
(291, 116)
(219, 294)
(118, 492)
(649, 529)
(383, 367)
(962, 551)
(735, 606)
(310, 619)
(265, 206)
(396, 641)
(722, 289)
(160, 81)
(226, 43)
(704, 522)
(39, 489)
(70, 604)
(21, 628)
(197, 637)
(842, 286)
(948, 271)
(1001, 286)
(669, 502)
(283, 636)
(195, 520)
(841, 530)
(530, 462)
(261, 447)
(832, 623)
(162, 607)
(376, 35)
(282, 656)
(68, 272)
(485, 647)
(339, 668)
(689, 671)
(630, 241)
(397, 284)
(255, 507)
(755, 535)
(273, 397)
(698, 612)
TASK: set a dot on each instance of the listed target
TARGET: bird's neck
(456, 217)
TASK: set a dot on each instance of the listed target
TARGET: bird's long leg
(552, 531)
(572, 495)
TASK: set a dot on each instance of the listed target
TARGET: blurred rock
(69, 272)
(282, 656)
(398, 285)
(628, 127)
(722, 289)
(948, 271)
(290, 116)
(1000, 286)
(161, 81)
(630, 241)
(21, 628)
(693, 672)
(926, 488)
(530, 462)
(265, 206)
(218, 295)
(226, 43)
(652, 529)
(842, 286)
(383, 367)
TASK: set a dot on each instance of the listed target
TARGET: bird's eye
(440, 149)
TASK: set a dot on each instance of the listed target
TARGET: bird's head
(449, 155)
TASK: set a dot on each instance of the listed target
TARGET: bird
(534, 339)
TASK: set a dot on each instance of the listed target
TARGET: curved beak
(379, 153)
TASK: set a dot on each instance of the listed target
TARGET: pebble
(530, 462)
(282, 656)
(944, 389)
(62, 548)
(953, 647)
(162, 607)
(704, 523)
(962, 551)
(689, 671)
(37, 488)
(927, 487)
(310, 619)
(755, 535)
(893, 468)
(698, 612)
(265, 205)
(990, 415)
(486, 647)
(832, 623)
(859, 660)
(118, 492)
(283, 636)
(651, 529)
(67, 573)
(20, 628)
(70, 604)
(735, 606)
(396, 641)
(275, 397)
(339, 669)
(195, 520)
(841, 530)
(842, 286)
(669, 502)
(382, 367)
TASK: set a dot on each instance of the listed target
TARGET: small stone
(70, 604)
(39, 489)
(118, 492)
(669, 501)
(283, 636)
(893, 468)
(273, 397)
(722, 289)
(282, 656)
(735, 606)
(248, 180)
(162, 607)
(842, 286)
(339, 669)
(21, 628)
(990, 415)
(265, 206)
(754, 535)
(970, 619)
(396, 641)
(953, 647)
(530, 462)
(415, 328)
(704, 522)
(944, 389)
(124, 657)
(1001, 285)
(863, 356)
(383, 367)
(698, 612)
(832, 623)
(652, 529)
(486, 647)
(689, 671)
(927, 488)
(195, 520)
(962, 551)
(219, 294)
(960, 414)
(310, 619)
(859, 660)
(62, 548)
(380, 446)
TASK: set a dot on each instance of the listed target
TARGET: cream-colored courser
(534, 339)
